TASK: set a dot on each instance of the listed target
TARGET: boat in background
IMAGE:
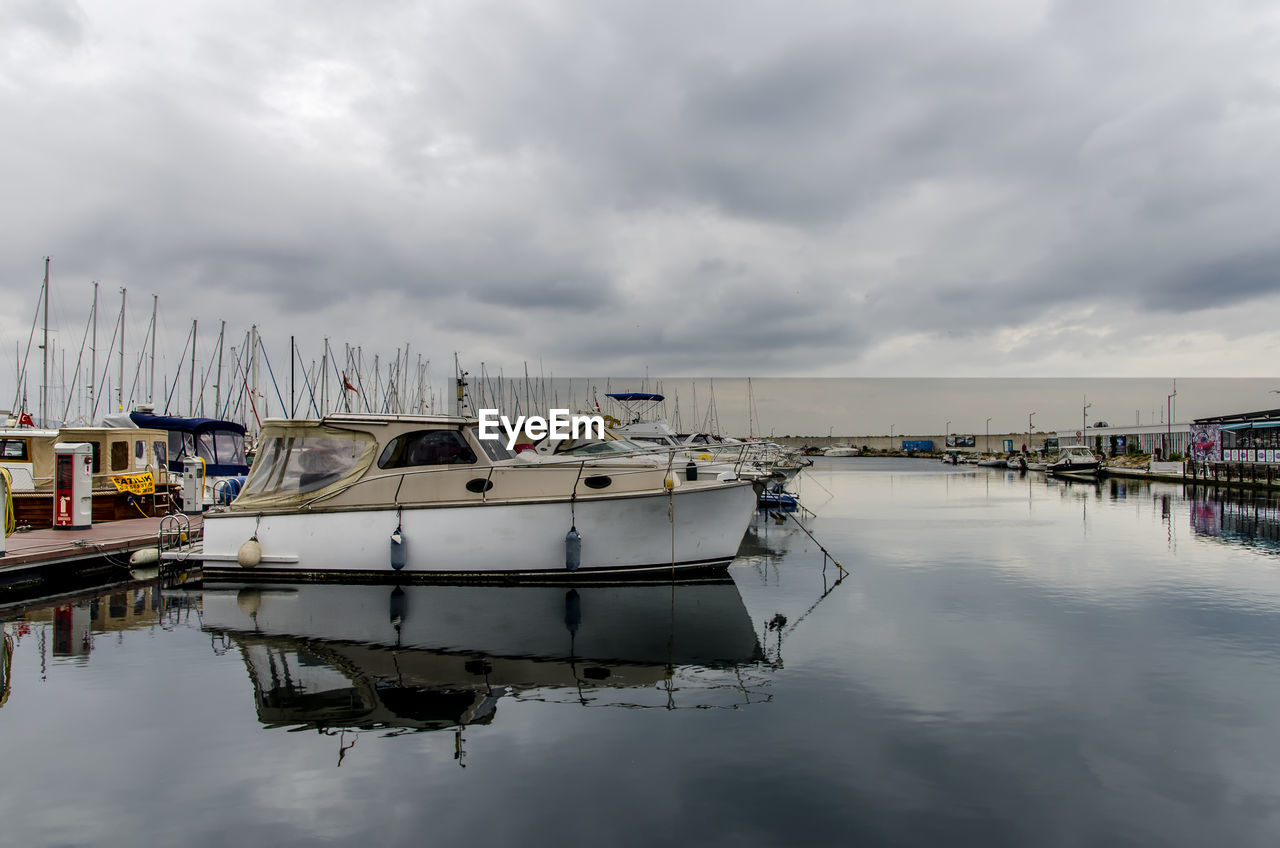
(27, 454)
(840, 450)
(218, 444)
(129, 479)
(764, 459)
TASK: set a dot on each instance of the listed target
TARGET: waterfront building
(1165, 439)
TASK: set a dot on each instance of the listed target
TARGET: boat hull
(687, 529)
(1076, 468)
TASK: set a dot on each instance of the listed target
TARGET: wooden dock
(48, 556)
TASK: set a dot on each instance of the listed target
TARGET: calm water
(1010, 661)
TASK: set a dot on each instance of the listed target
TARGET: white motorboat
(1074, 459)
(766, 459)
(425, 497)
(840, 450)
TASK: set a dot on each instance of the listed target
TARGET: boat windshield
(221, 447)
(297, 461)
(613, 447)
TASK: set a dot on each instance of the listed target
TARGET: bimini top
(186, 425)
(635, 396)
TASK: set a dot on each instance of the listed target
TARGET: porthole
(479, 484)
(598, 482)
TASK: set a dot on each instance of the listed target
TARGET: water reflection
(358, 657)
(1248, 518)
(769, 536)
(68, 629)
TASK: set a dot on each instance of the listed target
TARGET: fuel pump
(72, 485)
(193, 485)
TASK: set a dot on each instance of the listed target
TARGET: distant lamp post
(890, 437)
(1029, 430)
(1169, 443)
(946, 437)
(1084, 424)
(988, 435)
(829, 429)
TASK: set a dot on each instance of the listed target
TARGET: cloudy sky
(833, 189)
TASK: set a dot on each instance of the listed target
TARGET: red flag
(346, 384)
(24, 420)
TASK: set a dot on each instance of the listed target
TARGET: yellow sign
(138, 484)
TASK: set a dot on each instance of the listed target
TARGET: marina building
(1252, 437)
(1163, 439)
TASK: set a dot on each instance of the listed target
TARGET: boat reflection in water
(339, 656)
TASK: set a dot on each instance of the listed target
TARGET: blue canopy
(186, 425)
(635, 396)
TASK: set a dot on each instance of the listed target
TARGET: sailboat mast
(151, 381)
(44, 387)
(191, 391)
(324, 379)
(253, 366)
(93, 352)
(217, 384)
(124, 296)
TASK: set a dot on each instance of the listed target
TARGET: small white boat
(840, 450)
(766, 459)
(424, 497)
(1074, 459)
(993, 462)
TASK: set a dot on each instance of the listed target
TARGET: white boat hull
(689, 528)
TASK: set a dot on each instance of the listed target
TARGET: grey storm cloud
(737, 189)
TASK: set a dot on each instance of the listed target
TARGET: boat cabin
(361, 460)
(28, 454)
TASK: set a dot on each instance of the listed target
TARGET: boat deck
(38, 555)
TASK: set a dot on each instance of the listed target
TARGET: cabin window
(228, 447)
(139, 454)
(161, 450)
(97, 456)
(181, 445)
(14, 449)
(427, 447)
(119, 456)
